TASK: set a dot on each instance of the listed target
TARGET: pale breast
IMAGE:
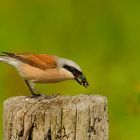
(44, 76)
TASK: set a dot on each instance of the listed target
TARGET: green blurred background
(103, 37)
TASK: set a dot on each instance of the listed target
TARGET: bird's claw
(40, 95)
(52, 96)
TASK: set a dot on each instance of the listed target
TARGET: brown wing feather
(42, 61)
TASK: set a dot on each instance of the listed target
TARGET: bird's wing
(42, 61)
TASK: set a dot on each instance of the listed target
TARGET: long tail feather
(3, 58)
(9, 60)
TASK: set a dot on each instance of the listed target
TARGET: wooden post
(82, 117)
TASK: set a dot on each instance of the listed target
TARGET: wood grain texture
(82, 117)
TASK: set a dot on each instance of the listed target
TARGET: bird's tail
(8, 60)
(4, 59)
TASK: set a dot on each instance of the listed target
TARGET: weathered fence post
(82, 117)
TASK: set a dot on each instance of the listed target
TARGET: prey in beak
(78, 75)
(81, 79)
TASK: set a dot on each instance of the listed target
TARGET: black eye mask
(73, 70)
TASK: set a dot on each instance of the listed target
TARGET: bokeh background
(103, 37)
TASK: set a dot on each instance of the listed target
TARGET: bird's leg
(35, 92)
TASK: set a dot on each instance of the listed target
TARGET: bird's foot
(34, 95)
(40, 95)
(52, 96)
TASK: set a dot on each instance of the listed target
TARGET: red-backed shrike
(43, 68)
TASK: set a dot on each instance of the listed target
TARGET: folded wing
(42, 61)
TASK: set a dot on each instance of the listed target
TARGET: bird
(43, 68)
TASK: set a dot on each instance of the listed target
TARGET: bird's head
(75, 71)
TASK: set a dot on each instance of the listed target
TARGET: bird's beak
(81, 79)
